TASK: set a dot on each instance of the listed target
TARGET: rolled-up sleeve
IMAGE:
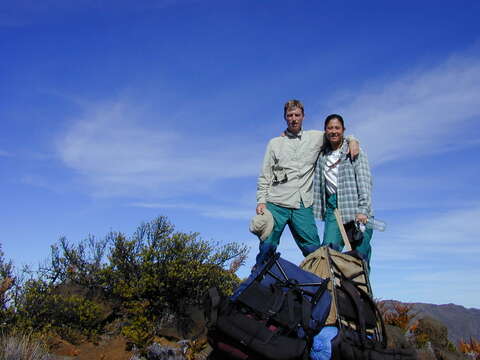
(364, 183)
(265, 178)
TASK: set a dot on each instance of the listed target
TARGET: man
(285, 184)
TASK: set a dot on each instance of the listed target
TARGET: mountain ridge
(462, 323)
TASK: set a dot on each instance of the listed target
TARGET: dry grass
(22, 347)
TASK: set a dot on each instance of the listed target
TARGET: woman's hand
(361, 218)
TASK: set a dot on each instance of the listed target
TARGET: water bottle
(375, 224)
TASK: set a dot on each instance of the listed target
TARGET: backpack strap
(354, 276)
(278, 299)
(306, 309)
(293, 318)
(273, 259)
(320, 291)
(374, 306)
(292, 322)
(338, 217)
(352, 292)
(306, 316)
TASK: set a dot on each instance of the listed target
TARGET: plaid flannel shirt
(354, 186)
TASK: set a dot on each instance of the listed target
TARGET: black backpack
(364, 342)
(272, 315)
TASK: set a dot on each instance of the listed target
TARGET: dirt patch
(113, 349)
(61, 347)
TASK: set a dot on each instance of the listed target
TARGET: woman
(343, 183)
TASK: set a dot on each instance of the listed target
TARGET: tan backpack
(361, 330)
(334, 265)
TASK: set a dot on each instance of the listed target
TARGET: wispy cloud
(432, 238)
(423, 185)
(119, 152)
(219, 212)
(415, 113)
(430, 254)
(43, 182)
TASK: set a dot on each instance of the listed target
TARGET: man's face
(294, 118)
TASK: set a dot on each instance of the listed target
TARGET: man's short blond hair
(292, 104)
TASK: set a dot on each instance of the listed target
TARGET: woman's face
(334, 131)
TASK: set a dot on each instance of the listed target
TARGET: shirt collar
(292, 135)
(344, 149)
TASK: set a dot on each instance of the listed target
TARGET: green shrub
(7, 282)
(43, 310)
(158, 272)
(137, 282)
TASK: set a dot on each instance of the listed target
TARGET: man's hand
(261, 208)
(354, 149)
(361, 218)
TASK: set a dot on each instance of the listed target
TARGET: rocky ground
(116, 348)
(170, 346)
(436, 345)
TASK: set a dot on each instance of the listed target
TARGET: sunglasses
(276, 181)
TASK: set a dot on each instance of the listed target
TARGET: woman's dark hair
(332, 117)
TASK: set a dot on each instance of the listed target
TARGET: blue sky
(115, 112)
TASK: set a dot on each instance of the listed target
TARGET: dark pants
(333, 238)
(301, 223)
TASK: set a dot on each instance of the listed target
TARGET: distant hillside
(462, 323)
